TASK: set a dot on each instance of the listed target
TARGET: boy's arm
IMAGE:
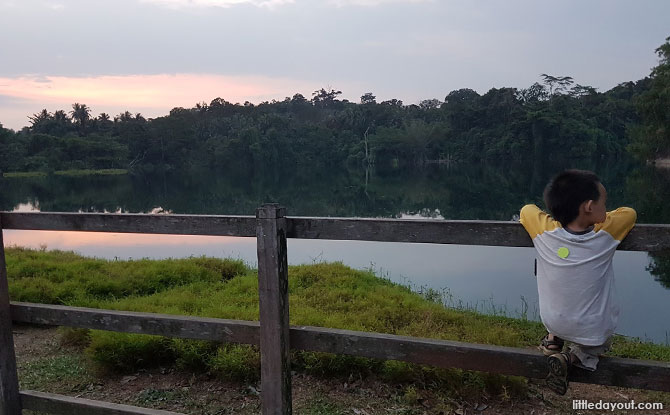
(536, 221)
(618, 222)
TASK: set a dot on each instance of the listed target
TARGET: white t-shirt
(575, 279)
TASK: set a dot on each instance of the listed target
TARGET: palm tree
(81, 114)
(38, 120)
(124, 117)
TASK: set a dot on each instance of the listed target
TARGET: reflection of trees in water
(649, 188)
(659, 267)
(463, 191)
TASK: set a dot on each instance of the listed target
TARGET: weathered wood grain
(650, 238)
(404, 230)
(66, 405)
(274, 312)
(644, 237)
(9, 382)
(440, 353)
(132, 223)
(185, 327)
(632, 373)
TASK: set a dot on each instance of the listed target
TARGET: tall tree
(368, 98)
(39, 122)
(323, 98)
(652, 139)
(81, 115)
(557, 84)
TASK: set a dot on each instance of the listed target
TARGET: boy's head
(573, 193)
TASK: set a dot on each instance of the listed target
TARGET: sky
(149, 56)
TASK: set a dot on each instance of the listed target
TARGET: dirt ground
(46, 365)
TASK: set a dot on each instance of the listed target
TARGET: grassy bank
(327, 295)
(71, 173)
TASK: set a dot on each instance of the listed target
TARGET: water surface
(489, 279)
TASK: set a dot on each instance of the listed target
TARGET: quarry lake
(487, 279)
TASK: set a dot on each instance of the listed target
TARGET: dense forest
(553, 118)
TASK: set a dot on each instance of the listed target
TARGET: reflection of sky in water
(480, 277)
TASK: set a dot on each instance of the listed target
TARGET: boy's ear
(588, 206)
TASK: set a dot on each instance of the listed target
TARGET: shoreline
(70, 173)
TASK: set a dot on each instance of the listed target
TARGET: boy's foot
(559, 366)
(550, 345)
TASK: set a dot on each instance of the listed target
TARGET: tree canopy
(553, 118)
(651, 139)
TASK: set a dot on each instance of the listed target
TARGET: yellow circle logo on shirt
(563, 252)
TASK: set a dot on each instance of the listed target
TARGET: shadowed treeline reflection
(460, 192)
(481, 191)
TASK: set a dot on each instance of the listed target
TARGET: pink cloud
(149, 90)
(152, 95)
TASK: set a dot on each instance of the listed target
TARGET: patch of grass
(24, 174)
(66, 373)
(89, 172)
(637, 349)
(324, 294)
(58, 277)
(70, 173)
(237, 362)
(123, 352)
(322, 406)
(74, 337)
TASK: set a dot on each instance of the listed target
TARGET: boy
(575, 280)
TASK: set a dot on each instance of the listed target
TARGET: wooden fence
(272, 333)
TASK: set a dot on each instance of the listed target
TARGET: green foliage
(237, 362)
(637, 349)
(125, 352)
(652, 137)
(89, 172)
(57, 277)
(193, 355)
(556, 117)
(659, 267)
(322, 294)
(24, 174)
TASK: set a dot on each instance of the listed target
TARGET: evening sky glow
(149, 56)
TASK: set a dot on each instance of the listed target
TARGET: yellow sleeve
(618, 222)
(536, 221)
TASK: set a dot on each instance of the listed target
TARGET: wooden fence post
(10, 401)
(273, 303)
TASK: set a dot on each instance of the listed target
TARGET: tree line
(553, 118)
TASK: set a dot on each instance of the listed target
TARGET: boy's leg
(579, 355)
(587, 357)
(551, 344)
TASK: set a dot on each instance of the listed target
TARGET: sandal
(559, 366)
(550, 347)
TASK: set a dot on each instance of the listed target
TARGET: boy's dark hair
(567, 191)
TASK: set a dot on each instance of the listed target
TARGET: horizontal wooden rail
(643, 237)
(440, 353)
(66, 405)
(184, 327)
(132, 223)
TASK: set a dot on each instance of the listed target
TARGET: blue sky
(149, 56)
